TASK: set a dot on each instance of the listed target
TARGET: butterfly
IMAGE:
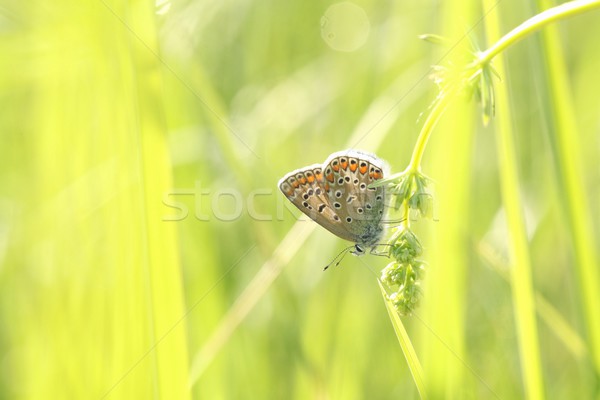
(337, 195)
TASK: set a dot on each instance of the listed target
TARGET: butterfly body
(338, 197)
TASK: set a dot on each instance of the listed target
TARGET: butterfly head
(359, 250)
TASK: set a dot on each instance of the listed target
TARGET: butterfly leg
(380, 252)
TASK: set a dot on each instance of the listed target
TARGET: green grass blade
(520, 271)
(100, 295)
(448, 157)
(405, 343)
(568, 153)
(557, 323)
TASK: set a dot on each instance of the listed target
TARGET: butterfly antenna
(339, 257)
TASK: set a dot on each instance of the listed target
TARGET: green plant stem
(407, 348)
(520, 261)
(434, 116)
(405, 216)
(572, 173)
(437, 109)
(536, 22)
(531, 25)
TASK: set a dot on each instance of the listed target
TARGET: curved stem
(531, 25)
(536, 22)
(437, 110)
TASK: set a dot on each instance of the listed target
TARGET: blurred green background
(141, 148)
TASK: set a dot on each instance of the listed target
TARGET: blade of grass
(406, 345)
(557, 323)
(246, 301)
(568, 155)
(448, 160)
(111, 276)
(520, 271)
(159, 239)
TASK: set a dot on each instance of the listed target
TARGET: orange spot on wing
(330, 177)
(303, 180)
(363, 170)
(377, 175)
(344, 164)
(295, 184)
(336, 167)
(353, 167)
(310, 179)
(326, 187)
(319, 176)
(290, 192)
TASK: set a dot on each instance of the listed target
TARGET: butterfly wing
(307, 190)
(347, 175)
